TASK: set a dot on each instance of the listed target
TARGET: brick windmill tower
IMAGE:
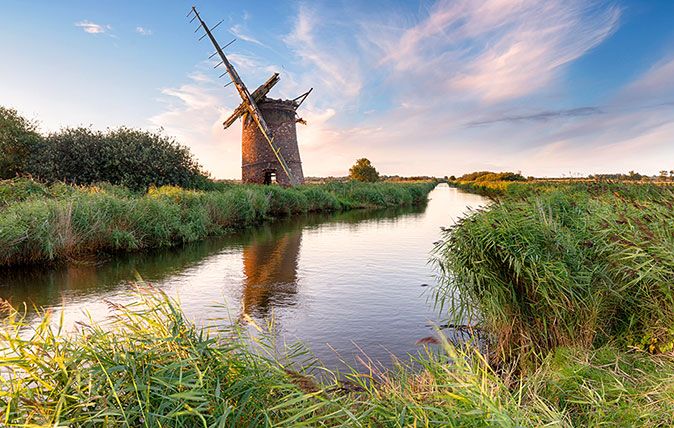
(269, 150)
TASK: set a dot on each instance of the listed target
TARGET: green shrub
(18, 140)
(131, 158)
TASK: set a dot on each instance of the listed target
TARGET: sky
(548, 88)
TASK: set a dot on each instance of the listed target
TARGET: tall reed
(41, 223)
(148, 366)
(578, 265)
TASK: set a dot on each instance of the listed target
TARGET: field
(47, 223)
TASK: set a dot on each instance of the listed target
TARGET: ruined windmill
(269, 150)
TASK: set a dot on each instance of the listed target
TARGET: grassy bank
(40, 223)
(571, 285)
(550, 265)
(149, 366)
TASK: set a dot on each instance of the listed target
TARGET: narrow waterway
(350, 282)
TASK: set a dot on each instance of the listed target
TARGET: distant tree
(492, 176)
(363, 170)
(634, 176)
(663, 175)
(452, 177)
(19, 139)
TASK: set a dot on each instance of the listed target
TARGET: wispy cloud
(143, 31)
(92, 27)
(193, 113)
(654, 85)
(335, 68)
(497, 49)
(541, 116)
(240, 32)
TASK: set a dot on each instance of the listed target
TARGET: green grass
(40, 223)
(149, 366)
(570, 283)
(578, 265)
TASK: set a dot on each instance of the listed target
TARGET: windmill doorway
(270, 176)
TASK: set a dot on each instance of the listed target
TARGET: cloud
(542, 116)
(143, 31)
(92, 28)
(656, 85)
(332, 66)
(193, 113)
(240, 33)
(494, 50)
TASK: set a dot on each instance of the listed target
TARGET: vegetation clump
(363, 170)
(492, 176)
(132, 158)
(44, 223)
(579, 265)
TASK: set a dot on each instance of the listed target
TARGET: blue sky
(426, 87)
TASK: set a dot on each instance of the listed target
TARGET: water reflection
(270, 256)
(270, 270)
(351, 280)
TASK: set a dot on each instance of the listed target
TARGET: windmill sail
(248, 101)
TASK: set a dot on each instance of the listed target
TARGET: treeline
(132, 158)
(663, 175)
(491, 176)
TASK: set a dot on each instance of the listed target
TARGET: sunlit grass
(41, 223)
(566, 265)
(149, 366)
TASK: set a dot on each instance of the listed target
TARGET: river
(344, 284)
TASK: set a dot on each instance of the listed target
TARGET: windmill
(269, 150)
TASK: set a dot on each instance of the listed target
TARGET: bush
(132, 158)
(492, 176)
(18, 140)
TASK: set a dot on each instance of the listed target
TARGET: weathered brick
(257, 157)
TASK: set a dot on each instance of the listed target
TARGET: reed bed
(40, 223)
(578, 265)
(148, 366)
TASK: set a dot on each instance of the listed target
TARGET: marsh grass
(40, 223)
(149, 366)
(577, 265)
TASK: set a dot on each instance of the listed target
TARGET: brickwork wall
(256, 155)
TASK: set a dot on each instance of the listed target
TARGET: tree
(633, 176)
(363, 170)
(663, 175)
(19, 139)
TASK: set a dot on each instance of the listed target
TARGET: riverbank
(579, 264)
(149, 366)
(588, 266)
(573, 289)
(49, 223)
